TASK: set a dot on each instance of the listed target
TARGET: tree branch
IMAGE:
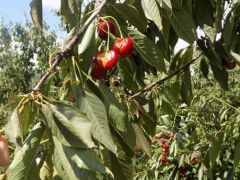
(69, 47)
(161, 81)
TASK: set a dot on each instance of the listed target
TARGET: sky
(12, 11)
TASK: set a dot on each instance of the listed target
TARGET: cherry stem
(88, 77)
(108, 39)
(119, 29)
(108, 33)
(74, 70)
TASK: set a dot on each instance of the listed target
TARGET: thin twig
(67, 52)
(161, 81)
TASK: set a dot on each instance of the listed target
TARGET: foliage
(83, 128)
(23, 58)
(206, 131)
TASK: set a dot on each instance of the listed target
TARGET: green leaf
(176, 61)
(27, 117)
(236, 155)
(86, 58)
(174, 91)
(59, 172)
(167, 107)
(219, 15)
(183, 24)
(88, 37)
(117, 115)
(68, 16)
(228, 28)
(141, 139)
(208, 49)
(76, 122)
(23, 166)
(152, 12)
(46, 171)
(166, 4)
(70, 126)
(36, 13)
(200, 172)
(116, 112)
(122, 166)
(221, 76)
(73, 6)
(130, 13)
(78, 163)
(149, 51)
(187, 54)
(210, 32)
(215, 147)
(13, 129)
(147, 118)
(86, 160)
(128, 74)
(204, 68)
(186, 87)
(203, 13)
(235, 57)
(94, 108)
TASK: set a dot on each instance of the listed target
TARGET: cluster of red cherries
(165, 152)
(107, 60)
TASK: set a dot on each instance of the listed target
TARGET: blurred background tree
(24, 56)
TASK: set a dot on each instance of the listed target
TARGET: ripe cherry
(165, 151)
(164, 159)
(124, 46)
(98, 72)
(106, 60)
(103, 27)
(164, 145)
(4, 151)
(228, 64)
(196, 160)
(180, 175)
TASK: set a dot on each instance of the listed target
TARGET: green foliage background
(24, 58)
(75, 127)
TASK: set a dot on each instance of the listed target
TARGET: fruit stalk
(69, 47)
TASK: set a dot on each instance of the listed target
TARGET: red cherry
(180, 175)
(97, 72)
(165, 151)
(164, 159)
(164, 145)
(103, 27)
(196, 160)
(124, 46)
(4, 151)
(106, 60)
(228, 64)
